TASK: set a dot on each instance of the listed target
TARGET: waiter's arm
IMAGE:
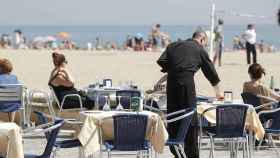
(162, 61)
(210, 73)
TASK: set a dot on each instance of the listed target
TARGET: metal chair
(67, 114)
(255, 100)
(12, 98)
(60, 105)
(271, 124)
(63, 144)
(185, 116)
(45, 100)
(230, 126)
(129, 134)
(52, 132)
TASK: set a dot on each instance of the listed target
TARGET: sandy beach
(33, 68)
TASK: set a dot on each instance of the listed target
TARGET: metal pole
(212, 31)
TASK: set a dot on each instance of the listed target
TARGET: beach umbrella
(63, 35)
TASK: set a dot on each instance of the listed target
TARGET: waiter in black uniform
(181, 60)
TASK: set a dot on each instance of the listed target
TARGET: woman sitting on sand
(256, 71)
(6, 77)
(63, 83)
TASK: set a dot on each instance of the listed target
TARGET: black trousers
(218, 53)
(181, 95)
(251, 48)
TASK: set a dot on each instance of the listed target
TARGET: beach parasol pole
(212, 31)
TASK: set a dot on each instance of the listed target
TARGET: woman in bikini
(63, 83)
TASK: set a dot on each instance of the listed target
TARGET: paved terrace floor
(36, 145)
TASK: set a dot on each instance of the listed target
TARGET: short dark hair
(158, 25)
(256, 71)
(250, 26)
(220, 21)
(6, 66)
(198, 34)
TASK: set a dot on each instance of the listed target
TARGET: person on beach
(181, 60)
(139, 42)
(6, 77)
(62, 83)
(255, 86)
(219, 42)
(250, 37)
(155, 36)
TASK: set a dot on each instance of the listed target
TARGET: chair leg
(212, 147)
(177, 151)
(247, 149)
(236, 148)
(108, 153)
(54, 152)
(181, 147)
(244, 148)
(231, 149)
(273, 144)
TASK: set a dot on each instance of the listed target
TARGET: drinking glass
(228, 95)
(106, 107)
(119, 106)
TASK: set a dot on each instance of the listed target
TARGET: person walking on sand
(219, 42)
(181, 60)
(250, 37)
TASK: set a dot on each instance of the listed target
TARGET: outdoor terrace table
(98, 126)
(252, 123)
(11, 140)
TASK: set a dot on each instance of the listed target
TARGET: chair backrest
(11, 97)
(53, 132)
(273, 116)
(129, 132)
(185, 123)
(53, 95)
(250, 98)
(126, 96)
(230, 120)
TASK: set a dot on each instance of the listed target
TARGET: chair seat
(173, 142)
(110, 145)
(68, 143)
(30, 156)
(212, 131)
(10, 106)
(273, 131)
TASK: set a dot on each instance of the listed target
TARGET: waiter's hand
(218, 92)
(220, 96)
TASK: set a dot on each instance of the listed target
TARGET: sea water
(82, 35)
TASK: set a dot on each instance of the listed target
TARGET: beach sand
(34, 66)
